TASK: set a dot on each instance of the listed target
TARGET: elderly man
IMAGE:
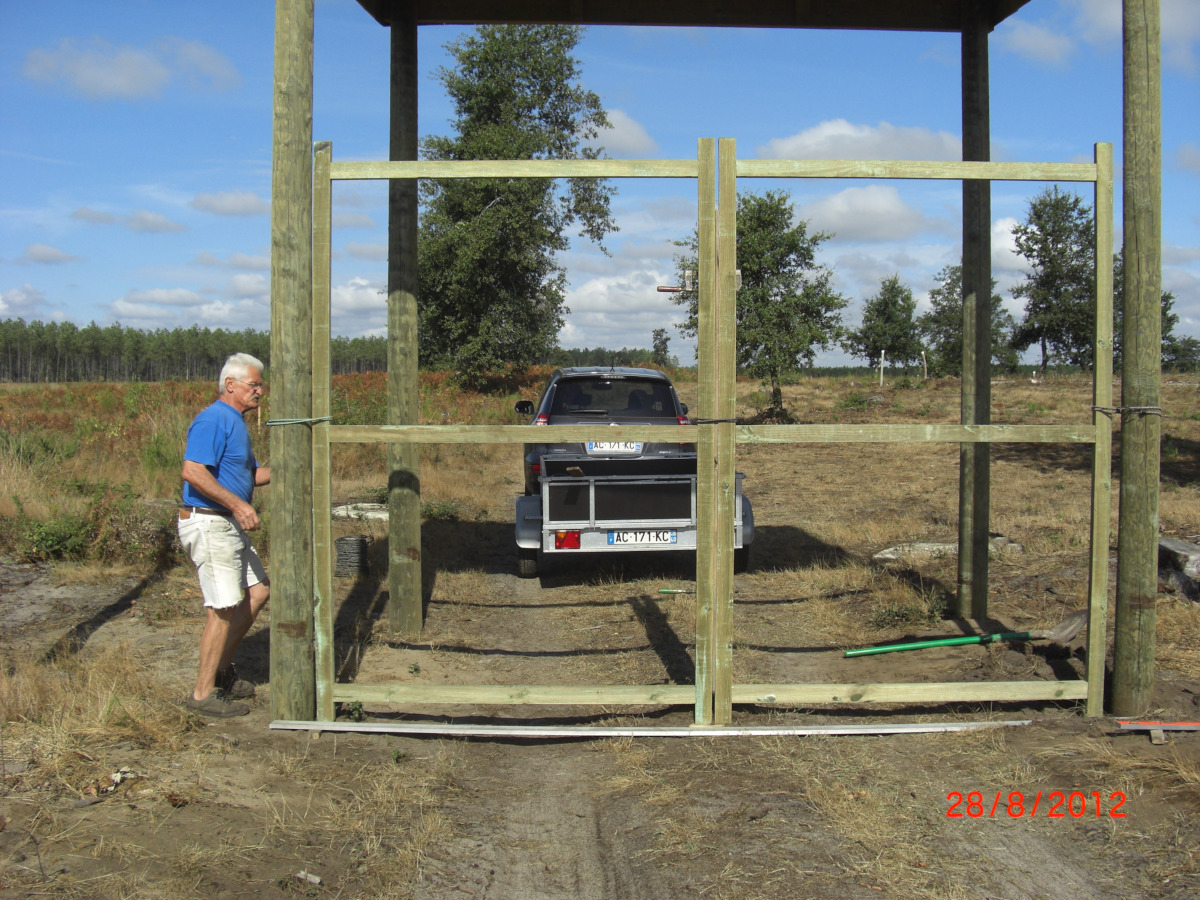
(219, 477)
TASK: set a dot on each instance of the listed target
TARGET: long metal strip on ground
(607, 731)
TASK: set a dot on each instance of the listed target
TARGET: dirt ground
(1062, 807)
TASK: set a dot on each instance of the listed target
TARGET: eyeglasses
(253, 385)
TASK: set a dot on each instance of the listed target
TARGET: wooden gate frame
(716, 170)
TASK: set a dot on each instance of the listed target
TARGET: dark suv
(619, 395)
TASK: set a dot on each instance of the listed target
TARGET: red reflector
(542, 419)
(684, 420)
(566, 540)
(535, 468)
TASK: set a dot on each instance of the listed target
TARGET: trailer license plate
(614, 447)
(618, 538)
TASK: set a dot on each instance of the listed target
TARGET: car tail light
(566, 540)
(683, 420)
(535, 468)
(542, 419)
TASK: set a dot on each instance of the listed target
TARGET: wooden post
(725, 375)
(322, 476)
(1137, 564)
(1097, 643)
(292, 666)
(404, 486)
(706, 473)
(974, 485)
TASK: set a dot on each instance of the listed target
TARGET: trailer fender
(529, 522)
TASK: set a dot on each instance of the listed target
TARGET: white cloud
(235, 261)
(1035, 42)
(1187, 157)
(174, 297)
(358, 307)
(1008, 266)
(352, 220)
(625, 138)
(21, 301)
(93, 216)
(249, 286)
(840, 139)
(373, 252)
(46, 255)
(147, 222)
(872, 213)
(231, 203)
(100, 70)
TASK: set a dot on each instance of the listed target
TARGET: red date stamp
(1050, 805)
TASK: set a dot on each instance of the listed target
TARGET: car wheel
(527, 562)
(741, 560)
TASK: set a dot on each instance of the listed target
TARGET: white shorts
(225, 560)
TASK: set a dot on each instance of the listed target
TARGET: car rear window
(614, 397)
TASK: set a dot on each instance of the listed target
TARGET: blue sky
(135, 152)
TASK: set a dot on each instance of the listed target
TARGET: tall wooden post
(974, 485)
(1137, 535)
(404, 486)
(293, 685)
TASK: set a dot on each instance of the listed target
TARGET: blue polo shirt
(219, 439)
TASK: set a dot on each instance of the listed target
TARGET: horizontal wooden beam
(519, 168)
(524, 694)
(933, 169)
(479, 729)
(920, 692)
(744, 434)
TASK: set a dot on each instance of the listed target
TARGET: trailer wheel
(741, 559)
(527, 562)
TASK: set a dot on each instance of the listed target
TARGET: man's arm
(197, 475)
(262, 476)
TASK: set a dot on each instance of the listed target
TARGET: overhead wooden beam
(293, 685)
(1137, 567)
(404, 482)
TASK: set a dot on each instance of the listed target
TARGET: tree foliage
(1058, 240)
(942, 327)
(1176, 350)
(491, 291)
(888, 326)
(786, 307)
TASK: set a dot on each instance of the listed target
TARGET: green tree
(786, 307)
(941, 327)
(1173, 351)
(888, 326)
(490, 286)
(1058, 239)
(660, 357)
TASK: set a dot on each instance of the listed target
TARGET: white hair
(237, 367)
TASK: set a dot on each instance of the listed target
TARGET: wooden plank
(706, 229)
(587, 732)
(1097, 633)
(743, 434)
(322, 478)
(293, 688)
(405, 602)
(1137, 570)
(518, 694)
(1020, 434)
(725, 350)
(921, 692)
(928, 170)
(368, 170)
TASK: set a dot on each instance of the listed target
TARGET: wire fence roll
(351, 555)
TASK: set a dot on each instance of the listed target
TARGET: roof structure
(872, 15)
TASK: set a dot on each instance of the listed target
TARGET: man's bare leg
(245, 614)
(213, 639)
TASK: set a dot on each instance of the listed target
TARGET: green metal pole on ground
(1137, 536)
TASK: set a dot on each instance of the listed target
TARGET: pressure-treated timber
(404, 488)
(725, 373)
(1137, 569)
(1097, 643)
(516, 168)
(924, 170)
(743, 434)
(519, 694)
(923, 692)
(706, 477)
(293, 690)
(322, 475)
(974, 482)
